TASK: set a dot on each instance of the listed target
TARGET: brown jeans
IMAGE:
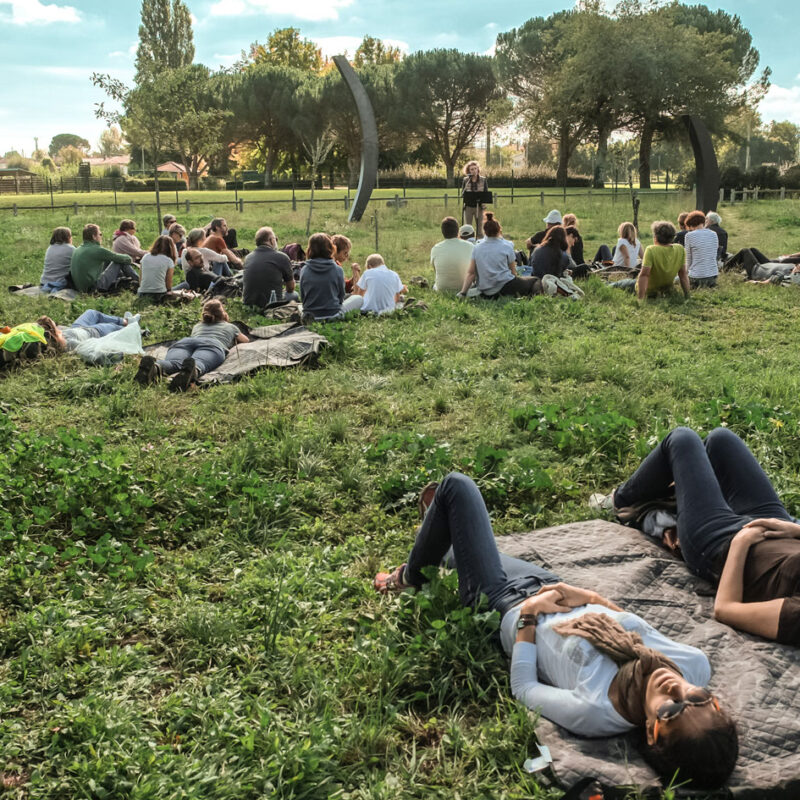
(473, 215)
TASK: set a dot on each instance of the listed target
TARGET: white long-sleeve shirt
(209, 257)
(567, 679)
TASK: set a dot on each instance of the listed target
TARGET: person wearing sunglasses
(724, 518)
(576, 657)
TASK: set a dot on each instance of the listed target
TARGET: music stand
(473, 199)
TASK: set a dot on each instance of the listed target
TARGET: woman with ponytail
(195, 355)
(576, 657)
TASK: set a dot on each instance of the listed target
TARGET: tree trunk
(159, 221)
(645, 147)
(488, 159)
(599, 177)
(353, 167)
(269, 166)
(564, 152)
(450, 167)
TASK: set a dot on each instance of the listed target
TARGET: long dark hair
(214, 311)
(705, 758)
(164, 246)
(556, 238)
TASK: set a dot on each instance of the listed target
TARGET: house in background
(102, 162)
(175, 170)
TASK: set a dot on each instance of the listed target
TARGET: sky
(50, 49)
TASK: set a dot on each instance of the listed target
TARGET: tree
(532, 61)
(443, 95)
(684, 60)
(165, 38)
(374, 51)
(285, 48)
(67, 140)
(264, 101)
(69, 155)
(197, 128)
(313, 127)
(146, 115)
(110, 142)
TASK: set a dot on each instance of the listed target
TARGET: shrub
(149, 185)
(791, 178)
(215, 184)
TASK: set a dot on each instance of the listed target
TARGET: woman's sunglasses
(671, 709)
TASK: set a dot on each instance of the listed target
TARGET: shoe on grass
(390, 582)
(186, 377)
(148, 372)
(426, 498)
(601, 503)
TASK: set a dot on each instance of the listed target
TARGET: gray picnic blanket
(287, 345)
(758, 681)
(68, 295)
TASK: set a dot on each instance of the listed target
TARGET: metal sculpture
(369, 138)
(706, 167)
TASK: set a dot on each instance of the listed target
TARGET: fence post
(188, 205)
(565, 194)
(345, 202)
(15, 209)
(721, 195)
(52, 202)
(445, 199)
(397, 202)
(133, 207)
(377, 246)
(541, 198)
(404, 184)
(494, 199)
(783, 192)
(114, 187)
(512, 187)
(744, 195)
(294, 198)
(75, 208)
(733, 196)
(755, 193)
(241, 205)
(16, 183)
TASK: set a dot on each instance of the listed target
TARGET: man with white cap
(553, 219)
(467, 233)
(714, 223)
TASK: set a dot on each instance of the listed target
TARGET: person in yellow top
(663, 260)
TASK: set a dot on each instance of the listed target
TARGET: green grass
(185, 601)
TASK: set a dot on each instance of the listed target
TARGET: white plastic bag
(111, 348)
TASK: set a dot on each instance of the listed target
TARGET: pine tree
(165, 38)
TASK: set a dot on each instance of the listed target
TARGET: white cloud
(63, 72)
(302, 9)
(781, 103)
(131, 51)
(34, 12)
(336, 45)
(227, 59)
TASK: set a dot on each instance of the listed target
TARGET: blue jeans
(207, 355)
(719, 488)
(103, 323)
(221, 269)
(54, 286)
(628, 284)
(458, 518)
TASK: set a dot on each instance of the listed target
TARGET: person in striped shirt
(701, 245)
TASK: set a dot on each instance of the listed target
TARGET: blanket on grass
(758, 681)
(287, 345)
(68, 295)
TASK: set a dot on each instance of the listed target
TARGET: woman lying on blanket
(197, 354)
(89, 325)
(577, 657)
(730, 527)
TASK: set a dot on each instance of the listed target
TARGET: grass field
(185, 599)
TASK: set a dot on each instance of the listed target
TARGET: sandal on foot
(390, 582)
(426, 498)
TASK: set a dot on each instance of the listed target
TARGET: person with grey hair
(266, 272)
(714, 223)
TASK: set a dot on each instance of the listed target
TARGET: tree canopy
(61, 140)
(166, 40)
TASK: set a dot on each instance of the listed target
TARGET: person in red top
(216, 242)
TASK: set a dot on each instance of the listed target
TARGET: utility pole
(747, 149)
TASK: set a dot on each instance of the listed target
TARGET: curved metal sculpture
(369, 138)
(705, 159)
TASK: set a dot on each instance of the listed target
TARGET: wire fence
(400, 200)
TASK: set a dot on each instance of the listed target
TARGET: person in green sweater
(95, 269)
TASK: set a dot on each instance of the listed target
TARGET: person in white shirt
(629, 251)
(450, 258)
(701, 245)
(380, 286)
(157, 268)
(576, 657)
(195, 238)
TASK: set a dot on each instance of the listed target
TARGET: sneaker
(602, 503)
(186, 377)
(148, 372)
(390, 582)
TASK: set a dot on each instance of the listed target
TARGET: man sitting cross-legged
(95, 269)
